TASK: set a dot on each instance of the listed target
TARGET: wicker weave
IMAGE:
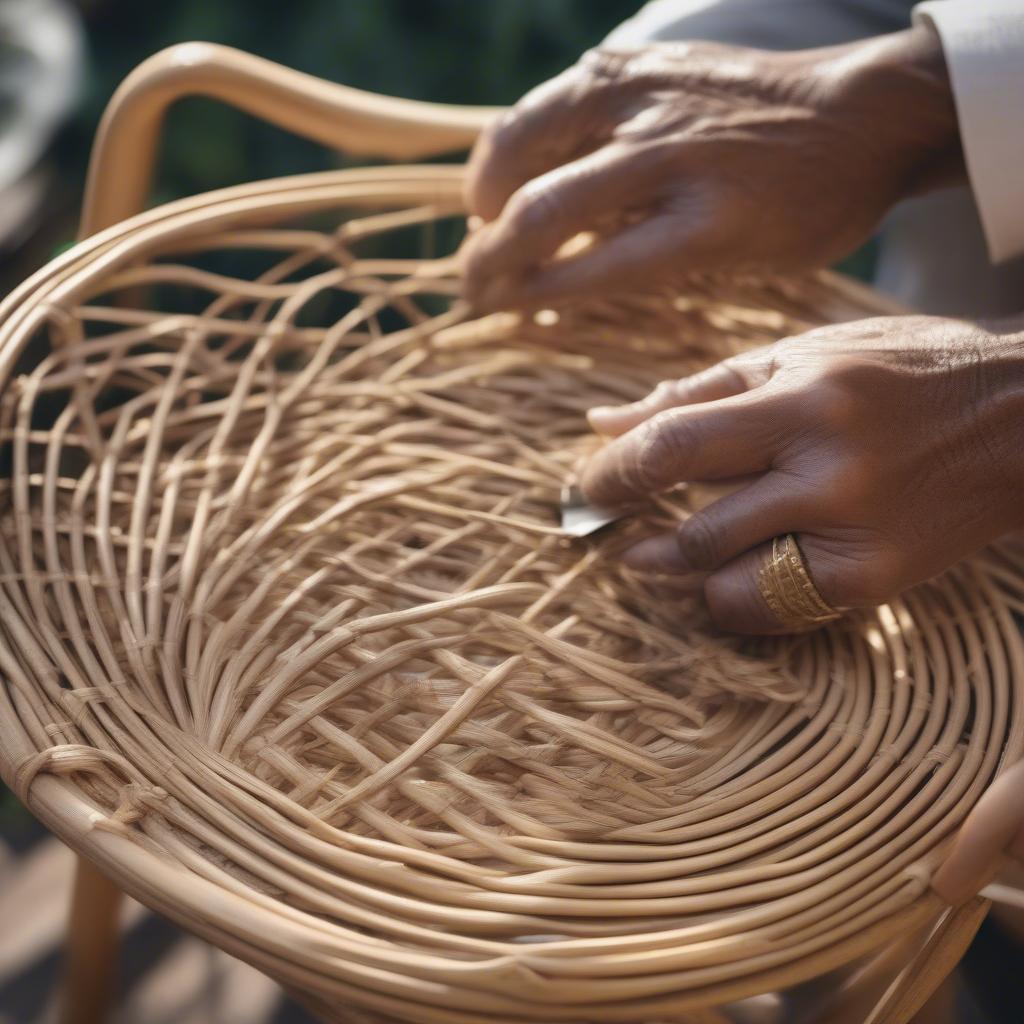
(291, 645)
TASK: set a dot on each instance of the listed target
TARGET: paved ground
(167, 976)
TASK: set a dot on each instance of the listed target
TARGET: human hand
(697, 156)
(992, 835)
(891, 446)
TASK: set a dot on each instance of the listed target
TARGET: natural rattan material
(291, 645)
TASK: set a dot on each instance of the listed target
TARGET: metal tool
(581, 519)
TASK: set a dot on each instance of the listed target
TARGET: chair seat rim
(226, 916)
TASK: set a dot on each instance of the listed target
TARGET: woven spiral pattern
(291, 646)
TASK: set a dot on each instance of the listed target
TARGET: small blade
(579, 519)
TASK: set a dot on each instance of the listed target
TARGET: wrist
(897, 88)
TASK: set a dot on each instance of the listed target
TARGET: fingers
(551, 124)
(654, 249)
(536, 221)
(732, 590)
(734, 595)
(845, 574)
(712, 441)
(508, 262)
(992, 831)
(710, 385)
(722, 531)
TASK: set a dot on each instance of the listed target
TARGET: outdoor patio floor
(166, 976)
(170, 977)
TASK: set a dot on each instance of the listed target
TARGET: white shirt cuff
(983, 41)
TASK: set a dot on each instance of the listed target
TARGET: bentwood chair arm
(361, 123)
(119, 180)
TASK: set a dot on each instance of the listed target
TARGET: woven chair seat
(291, 645)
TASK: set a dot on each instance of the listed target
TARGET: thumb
(993, 831)
(638, 255)
(710, 385)
(734, 595)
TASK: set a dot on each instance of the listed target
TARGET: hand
(892, 447)
(685, 157)
(992, 835)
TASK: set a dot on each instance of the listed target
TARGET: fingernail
(604, 418)
(656, 554)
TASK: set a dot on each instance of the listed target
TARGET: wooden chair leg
(91, 951)
(941, 1008)
(932, 966)
(897, 983)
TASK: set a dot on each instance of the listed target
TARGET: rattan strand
(291, 646)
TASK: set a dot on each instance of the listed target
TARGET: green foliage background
(458, 51)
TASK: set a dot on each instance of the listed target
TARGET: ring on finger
(787, 588)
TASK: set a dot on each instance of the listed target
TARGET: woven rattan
(292, 647)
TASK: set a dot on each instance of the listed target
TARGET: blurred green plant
(457, 51)
(13, 815)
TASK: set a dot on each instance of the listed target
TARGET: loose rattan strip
(291, 645)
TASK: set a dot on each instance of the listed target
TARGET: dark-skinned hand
(891, 447)
(695, 156)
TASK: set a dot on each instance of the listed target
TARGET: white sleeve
(983, 41)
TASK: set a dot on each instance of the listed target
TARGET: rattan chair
(293, 651)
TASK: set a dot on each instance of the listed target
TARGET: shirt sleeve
(983, 41)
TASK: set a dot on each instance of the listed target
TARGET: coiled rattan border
(292, 649)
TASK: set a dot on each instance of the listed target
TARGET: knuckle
(471, 251)
(471, 271)
(867, 583)
(740, 372)
(829, 404)
(699, 542)
(695, 381)
(499, 146)
(498, 135)
(536, 206)
(850, 490)
(663, 393)
(834, 397)
(605, 64)
(849, 372)
(667, 442)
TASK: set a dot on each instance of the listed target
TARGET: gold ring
(788, 590)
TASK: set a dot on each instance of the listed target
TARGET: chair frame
(889, 990)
